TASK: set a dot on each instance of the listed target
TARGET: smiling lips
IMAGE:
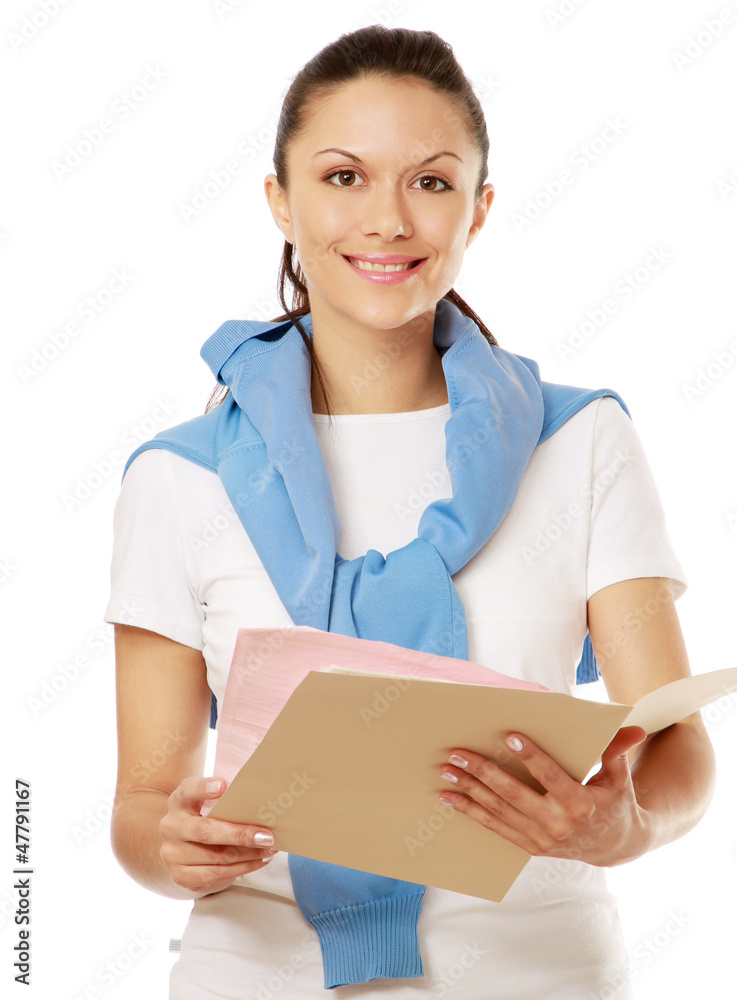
(384, 269)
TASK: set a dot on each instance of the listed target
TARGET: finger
(492, 786)
(567, 802)
(188, 797)
(206, 830)
(623, 740)
(554, 778)
(492, 819)
(192, 792)
(212, 878)
(614, 761)
(475, 797)
(186, 852)
(210, 844)
(196, 841)
(540, 818)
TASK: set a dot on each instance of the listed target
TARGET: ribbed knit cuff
(371, 940)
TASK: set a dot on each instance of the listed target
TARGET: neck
(369, 370)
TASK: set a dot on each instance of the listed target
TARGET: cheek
(334, 213)
(322, 224)
(313, 257)
(443, 231)
(452, 260)
(313, 244)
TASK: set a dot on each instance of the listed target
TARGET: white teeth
(365, 265)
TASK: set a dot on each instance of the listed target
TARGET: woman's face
(380, 199)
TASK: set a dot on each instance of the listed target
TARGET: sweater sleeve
(151, 586)
(628, 536)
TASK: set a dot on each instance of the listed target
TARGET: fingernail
(449, 776)
(514, 744)
(265, 861)
(458, 761)
(213, 786)
(446, 802)
(263, 839)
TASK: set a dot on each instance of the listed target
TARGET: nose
(386, 213)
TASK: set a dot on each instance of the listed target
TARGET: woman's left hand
(600, 822)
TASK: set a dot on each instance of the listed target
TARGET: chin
(393, 321)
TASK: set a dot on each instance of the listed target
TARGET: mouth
(373, 266)
(385, 274)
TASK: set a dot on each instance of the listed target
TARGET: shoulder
(609, 410)
(603, 418)
(583, 430)
(604, 436)
(162, 475)
(597, 444)
(198, 439)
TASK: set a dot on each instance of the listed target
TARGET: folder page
(673, 702)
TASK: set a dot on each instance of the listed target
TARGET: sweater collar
(243, 339)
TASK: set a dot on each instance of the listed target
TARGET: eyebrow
(356, 159)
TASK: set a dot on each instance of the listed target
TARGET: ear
(278, 206)
(480, 212)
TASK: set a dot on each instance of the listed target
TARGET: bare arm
(639, 646)
(157, 834)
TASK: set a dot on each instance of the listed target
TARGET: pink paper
(268, 664)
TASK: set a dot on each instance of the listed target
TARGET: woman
(381, 150)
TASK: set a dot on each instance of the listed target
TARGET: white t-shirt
(587, 515)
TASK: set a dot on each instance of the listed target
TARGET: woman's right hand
(206, 855)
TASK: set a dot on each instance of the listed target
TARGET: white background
(548, 90)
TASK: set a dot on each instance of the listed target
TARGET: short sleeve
(150, 583)
(628, 537)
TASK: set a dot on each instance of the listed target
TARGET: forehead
(378, 115)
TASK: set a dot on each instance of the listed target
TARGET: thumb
(614, 759)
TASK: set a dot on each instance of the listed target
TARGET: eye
(432, 177)
(341, 173)
(352, 173)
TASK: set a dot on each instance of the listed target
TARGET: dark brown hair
(370, 51)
